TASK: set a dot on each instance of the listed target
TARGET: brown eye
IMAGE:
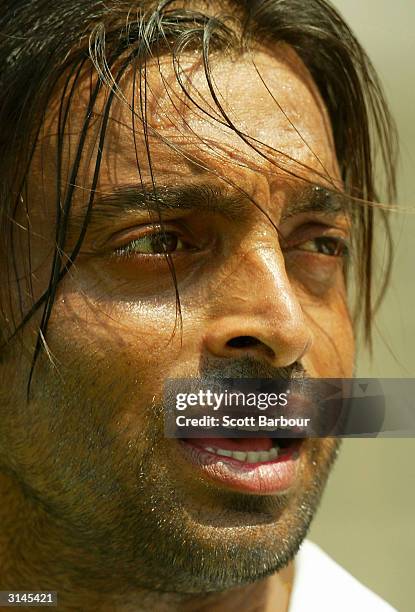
(326, 245)
(156, 243)
(164, 242)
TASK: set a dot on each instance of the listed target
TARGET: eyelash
(152, 238)
(340, 247)
(323, 241)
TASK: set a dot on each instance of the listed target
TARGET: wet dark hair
(46, 48)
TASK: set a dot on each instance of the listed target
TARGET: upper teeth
(249, 457)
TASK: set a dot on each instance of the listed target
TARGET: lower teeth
(248, 457)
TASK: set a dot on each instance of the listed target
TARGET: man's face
(94, 451)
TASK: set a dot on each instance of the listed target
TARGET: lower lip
(266, 478)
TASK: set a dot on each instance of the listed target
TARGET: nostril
(243, 342)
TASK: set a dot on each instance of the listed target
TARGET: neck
(36, 554)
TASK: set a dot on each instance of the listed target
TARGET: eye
(155, 243)
(326, 245)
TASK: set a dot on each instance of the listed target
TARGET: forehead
(268, 96)
(257, 119)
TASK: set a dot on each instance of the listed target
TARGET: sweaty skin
(96, 503)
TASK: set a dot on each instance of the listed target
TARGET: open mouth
(262, 466)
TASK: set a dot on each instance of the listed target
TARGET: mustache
(247, 367)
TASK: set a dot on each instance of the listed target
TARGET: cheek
(333, 349)
(128, 336)
(120, 348)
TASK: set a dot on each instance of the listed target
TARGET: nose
(258, 313)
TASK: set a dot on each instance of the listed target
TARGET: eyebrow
(207, 198)
(317, 199)
(165, 199)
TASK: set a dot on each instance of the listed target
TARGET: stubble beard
(128, 521)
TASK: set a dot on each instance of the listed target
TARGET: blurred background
(367, 518)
